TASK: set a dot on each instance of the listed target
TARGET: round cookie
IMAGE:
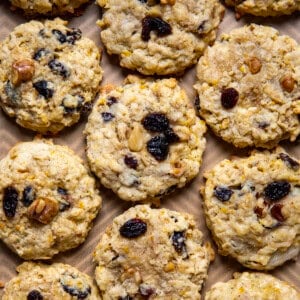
(252, 208)
(265, 8)
(253, 286)
(48, 199)
(48, 7)
(49, 74)
(144, 139)
(37, 281)
(249, 87)
(159, 37)
(154, 253)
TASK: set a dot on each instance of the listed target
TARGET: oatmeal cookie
(144, 139)
(47, 199)
(249, 87)
(152, 253)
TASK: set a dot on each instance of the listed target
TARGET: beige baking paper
(187, 199)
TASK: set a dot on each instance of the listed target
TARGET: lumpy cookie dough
(153, 254)
(48, 7)
(252, 208)
(264, 8)
(249, 87)
(159, 37)
(48, 200)
(144, 139)
(36, 281)
(256, 286)
(49, 74)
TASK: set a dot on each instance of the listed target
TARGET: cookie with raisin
(49, 74)
(159, 37)
(153, 254)
(48, 199)
(144, 139)
(252, 207)
(249, 87)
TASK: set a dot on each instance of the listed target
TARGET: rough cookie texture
(37, 281)
(255, 286)
(252, 208)
(49, 74)
(249, 87)
(156, 37)
(167, 261)
(265, 8)
(47, 199)
(144, 138)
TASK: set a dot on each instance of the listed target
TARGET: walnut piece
(135, 141)
(22, 70)
(43, 210)
(254, 65)
(287, 83)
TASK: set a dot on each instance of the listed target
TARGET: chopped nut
(22, 70)
(135, 141)
(43, 210)
(287, 83)
(169, 267)
(254, 65)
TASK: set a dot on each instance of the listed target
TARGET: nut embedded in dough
(22, 70)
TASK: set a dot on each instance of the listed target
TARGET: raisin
(146, 290)
(28, 195)
(223, 193)
(40, 53)
(171, 136)
(276, 212)
(66, 197)
(156, 122)
(290, 163)
(34, 295)
(158, 147)
(74, 35)
(10, 201)
(12, 93)
(229, 98)
(143, 1)
(62, 38)
(72, 103)
(75, 286)
(156, 24)
(167, 191)
(259, 211)
(133, 228)
(111, 100)
(86, 108)
(43, 89)
(277, 190)
(131, 162)
(58, 68)
(127, 297)
(107, 116)
(178, 241)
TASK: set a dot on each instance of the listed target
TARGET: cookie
(36, 281)
(48, 199)
(264, 8)
(252, 286)
(252, 207)
(159, 37)
(49, 74)
(152, 253)
(144, 139)
(249, 87)
(48, 7)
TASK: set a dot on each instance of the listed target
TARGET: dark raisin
(259, 211)
(34, 295)
(167, 191)
(178, 241)
(133, 228)
(229, 98)
(197, 103)
(10, 201)
(42, 33)
(40, 53)
(131, 161)
(12, 93)
(223, 193)
(74, 35)
(107, 116)
(111, 100)
(43, 89)
(66, 197)
(146, 290)
(156, 24)
(62, 38)
(276, 212)
(277, 190)
(58, 68)
(158, 147)
(28, 195)
(72, 103)
(69, 282)
(86, 108)
(156, 122)
(143, 1)
(290, 163)
(127, 297)
(171, 136)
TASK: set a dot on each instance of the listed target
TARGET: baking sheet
(187, 199)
